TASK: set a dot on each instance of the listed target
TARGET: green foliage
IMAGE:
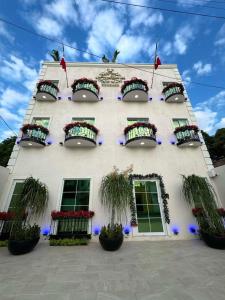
(116, 193)
(3, 243)
(55, 55)
(68, 242)
(215, 144)
(199, 193)
(111, 231)
(6, 148)
(105, 59)
(25, 232)
(33, 199)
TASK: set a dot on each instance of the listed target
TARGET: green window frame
(148, 207)
(131, 121)
(15, 195)
(75, 196)
(41, 121)
(90, 121)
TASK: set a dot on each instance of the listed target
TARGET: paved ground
(180, 270)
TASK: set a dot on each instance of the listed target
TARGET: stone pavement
(147, 270)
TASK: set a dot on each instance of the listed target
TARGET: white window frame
(135, 229)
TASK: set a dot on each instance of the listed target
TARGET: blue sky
(196, 44)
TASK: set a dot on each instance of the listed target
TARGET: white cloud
(11, 98)
(143, 17)
(6, 134)
(107, 28)
(183, 36)
(202, 69)
(10, 116)
(206, 118)
(14, 68)
(186, 77)
(48, 26)
(62, 10)
(220, 37)
(167, 48)
(5, 33)
(221, 124)
(192, 2)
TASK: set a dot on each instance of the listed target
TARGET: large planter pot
(111, 244)
(213, 241)
(17, 247)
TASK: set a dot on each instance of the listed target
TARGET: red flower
(140, 124)
(57, 215)
(6, 216)
(221, 211)
(85, 80)
(174, 84)
(80, 124)
(197, 211)
(27, 127)
(48, 82)
(134, 80)
(187, 127)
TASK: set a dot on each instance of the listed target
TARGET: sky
(196, 44)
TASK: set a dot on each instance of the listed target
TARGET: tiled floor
(171, 270)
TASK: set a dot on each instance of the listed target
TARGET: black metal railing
(71, 227)
(187, 136)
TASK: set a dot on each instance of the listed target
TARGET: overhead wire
(165, 9)
(95, 55)
(194, 4)
(7, 125)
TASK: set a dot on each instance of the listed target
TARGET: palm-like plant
(116, 192)
(55, 55)
(199, 193)
(33, 199)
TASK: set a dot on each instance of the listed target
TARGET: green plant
(199, 193)
(3, 243)
(25, 232)
(33, 199)
(116, 193)
(68, 242)
(111, 231)
(55, 55)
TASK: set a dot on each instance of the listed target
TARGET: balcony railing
(140, 135)
(46, 91)
(135, 90)
(33, 135)
(187, 136)
(80, 134)
(71, 223)
(174, 93)
(85, 90)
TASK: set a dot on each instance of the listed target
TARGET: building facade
(111, 117)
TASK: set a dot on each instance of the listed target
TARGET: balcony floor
(140, 270)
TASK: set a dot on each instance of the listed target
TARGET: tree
(215, 144)
(6, 148)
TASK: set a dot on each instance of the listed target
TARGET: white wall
(54, 163)
(4, 173)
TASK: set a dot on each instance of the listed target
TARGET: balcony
(135, 90)
(187, 136)
(85, 90)
(33, 135)
(174, 93)
(46, 91)
(140, 135)
(80, 134)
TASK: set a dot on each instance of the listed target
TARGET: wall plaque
(110, 78)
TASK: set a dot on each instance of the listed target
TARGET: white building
(72, 164)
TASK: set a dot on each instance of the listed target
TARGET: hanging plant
(27, 127)
(164, 196)
(187, 127)
(48, 82)
(134, 80)
(83, 81)
(141, 124)
(173, 85)
(80, 124)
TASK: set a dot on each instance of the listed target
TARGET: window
(75, 194)
(55, 82)
(75, 197)
(41, 121)
(90, 121)
(131, 121)
(147, 206)
(166, 83)
(179, 122)
(16, 195)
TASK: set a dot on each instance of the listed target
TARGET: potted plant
(116, 193)
(201, 196)
(33, 200)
